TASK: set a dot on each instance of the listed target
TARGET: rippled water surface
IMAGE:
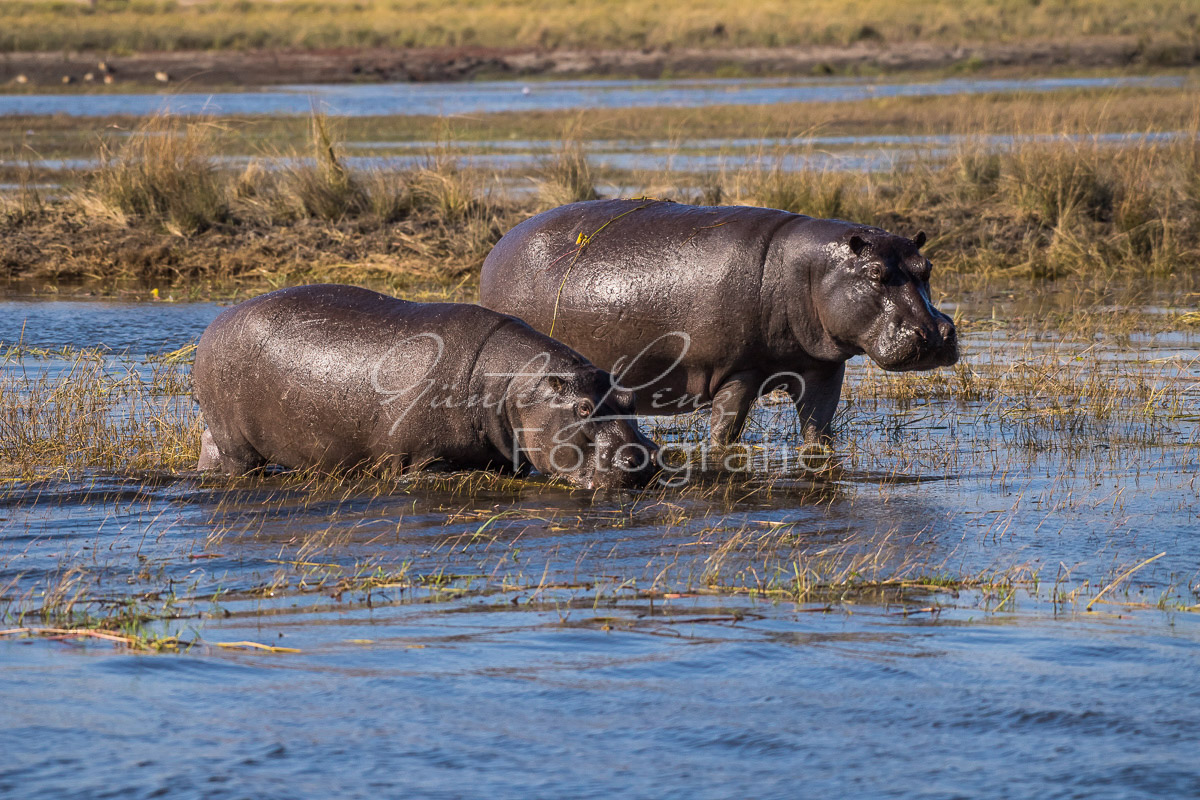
(520, 639)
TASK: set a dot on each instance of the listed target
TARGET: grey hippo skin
(697, 305)
(337, 377)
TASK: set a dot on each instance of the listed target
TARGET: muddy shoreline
(273, 67)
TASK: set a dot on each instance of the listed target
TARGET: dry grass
(163, 173)
(321, 186)
(150, 25)
(815, 193)
(163, 208)
(567, 176)
(93, 411)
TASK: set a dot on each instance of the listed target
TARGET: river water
(447, 99)
(572, 645)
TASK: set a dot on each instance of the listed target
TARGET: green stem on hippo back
(583, 241)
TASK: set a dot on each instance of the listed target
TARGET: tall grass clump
(566, 176)
(815, 192)
(1095, 208)
(1058, 186)
(459, 218)
(321, 185)
(26, 203)
(441, 189)
(165, 174)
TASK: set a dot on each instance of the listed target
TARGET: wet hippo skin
(693, 306)
(338, 377)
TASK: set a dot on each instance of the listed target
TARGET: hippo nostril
(948, 332)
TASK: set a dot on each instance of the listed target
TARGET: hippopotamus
(339, 377)
(717, 306)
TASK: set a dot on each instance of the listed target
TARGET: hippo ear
(857, 244)
(919, 239)
(557, 384)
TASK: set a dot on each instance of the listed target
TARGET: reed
(90, 410)
(164, 174)
(166, 206)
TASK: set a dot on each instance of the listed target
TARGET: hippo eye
(584, 409)
(877, 273)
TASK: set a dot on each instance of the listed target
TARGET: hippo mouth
(944, 356)
(634, 469)
(921, 349)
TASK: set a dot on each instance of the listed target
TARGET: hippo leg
(816, 401)
(730, 405)
(230, 456)
(210, 456)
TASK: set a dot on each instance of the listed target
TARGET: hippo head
(576, 424)
(874, 299)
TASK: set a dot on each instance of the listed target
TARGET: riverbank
(197, 69)
(161, 207)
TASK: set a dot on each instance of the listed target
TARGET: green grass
(124, 26)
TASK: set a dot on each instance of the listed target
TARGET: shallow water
(495, 96)
(552, 658)
(116, 325)
(812, 153)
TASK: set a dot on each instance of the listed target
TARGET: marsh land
(994, 591)
(258, 42)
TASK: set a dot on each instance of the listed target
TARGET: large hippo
(694, 305)
(341, 377)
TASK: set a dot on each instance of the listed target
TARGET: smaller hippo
(335, 377)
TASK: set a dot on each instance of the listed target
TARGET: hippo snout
(938, 346)
(631, 466)
(928, 346)
(949, 346)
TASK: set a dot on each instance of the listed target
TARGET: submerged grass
(87, 410)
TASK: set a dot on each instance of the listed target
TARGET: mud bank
(272, 67)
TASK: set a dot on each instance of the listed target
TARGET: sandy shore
(262, 68)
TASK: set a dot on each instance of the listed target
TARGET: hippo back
(619, 278)
(318, 374)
